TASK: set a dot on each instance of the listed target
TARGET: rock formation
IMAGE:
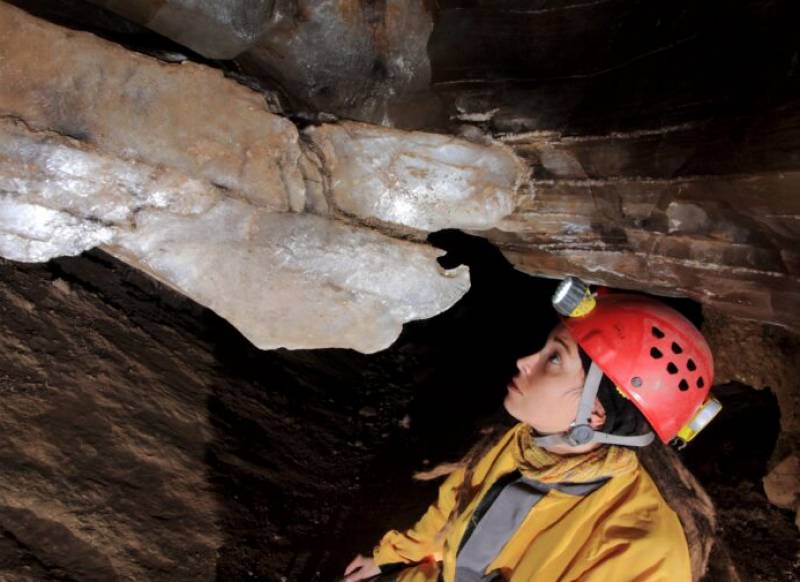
(782, 485)
(102, 148)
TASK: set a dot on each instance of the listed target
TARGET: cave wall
(662, 137)
(105, 430)
(766, 358)
(143, 438)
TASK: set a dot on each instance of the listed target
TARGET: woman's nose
(525, 365)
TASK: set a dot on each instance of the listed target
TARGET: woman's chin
(510, 405)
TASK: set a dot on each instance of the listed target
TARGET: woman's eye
(554, 359)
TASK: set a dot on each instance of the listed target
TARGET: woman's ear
(598, 417)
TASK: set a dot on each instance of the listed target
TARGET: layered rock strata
(610, 208)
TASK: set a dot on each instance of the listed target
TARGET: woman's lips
(513, 386)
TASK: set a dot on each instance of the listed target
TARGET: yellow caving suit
(622, 532)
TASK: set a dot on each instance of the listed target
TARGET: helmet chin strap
(581, 431)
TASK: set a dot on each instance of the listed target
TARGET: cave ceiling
(283, 162)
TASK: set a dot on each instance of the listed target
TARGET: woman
(562, 496)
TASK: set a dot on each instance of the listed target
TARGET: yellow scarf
(546, 467)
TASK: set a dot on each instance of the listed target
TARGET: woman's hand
(360, 569)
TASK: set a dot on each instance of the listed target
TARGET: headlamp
(573, 298)
(700, 420)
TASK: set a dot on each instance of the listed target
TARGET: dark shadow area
(730, 459)
(739, 443)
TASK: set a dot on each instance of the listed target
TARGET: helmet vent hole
(672, 368)
(691, 365)
(700, 382)
(657, 332)
(684, 385)
(636, 381)
(676, 349)
(656, 353)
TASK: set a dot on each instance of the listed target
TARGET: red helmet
(653, 354)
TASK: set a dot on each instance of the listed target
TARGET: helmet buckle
(580, 434)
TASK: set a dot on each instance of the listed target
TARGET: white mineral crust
(33, 233)
(294, 280)
(59, 197)
(419, 180)
(283, 279)
(64, 174)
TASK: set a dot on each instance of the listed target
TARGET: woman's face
(546, 391)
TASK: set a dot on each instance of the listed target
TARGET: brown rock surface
(663, 139)
(764, 357)
(112, 466)
(122, 403)
(591, 68)
(219, 30)
(610, 209)
(143, 438)
(366, 61)
(103, 439)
